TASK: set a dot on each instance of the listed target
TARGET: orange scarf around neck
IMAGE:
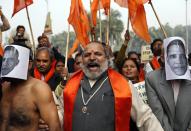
(38, 75)
(155, 63)
(1, 50)
(141, 75)
(122, 98)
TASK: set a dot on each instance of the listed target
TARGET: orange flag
(79, 20)
(105, 4)
(122, 3)
(20, 4)
(94, 8)
(138, 18)
(74, 48)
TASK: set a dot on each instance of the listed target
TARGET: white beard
(95, 75)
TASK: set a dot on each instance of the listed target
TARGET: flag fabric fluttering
(104, 4)
(122, 3)
(79, 20)
(74, 47)
(137, 17)
(20, 4)
(94, 8)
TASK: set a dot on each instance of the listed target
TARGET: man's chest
(17, 109)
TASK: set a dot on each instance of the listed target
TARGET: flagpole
(107, 35)
(165, 35)
(66, 53)
(91, 24)
(128, 22)
(100, 25)
(67, 44)
(30, 28)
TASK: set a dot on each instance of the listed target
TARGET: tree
(60, 41)
(179, 30)
(116, 27)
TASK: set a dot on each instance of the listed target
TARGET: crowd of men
(97, 91)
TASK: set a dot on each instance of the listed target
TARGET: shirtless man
(24, 102)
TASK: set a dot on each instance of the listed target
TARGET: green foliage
(116, 27)
(179, 30)
(60, 41)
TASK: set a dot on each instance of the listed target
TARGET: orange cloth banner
(137, 17)
(138, 20)
(74, 48)
(104, 4)
(79, 20)
(20, 4)
(122, 3)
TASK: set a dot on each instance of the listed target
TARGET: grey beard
(95, 75)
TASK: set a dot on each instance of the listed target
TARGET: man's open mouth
(93, 66)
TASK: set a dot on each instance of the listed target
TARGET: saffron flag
(94, 8)
(122, 3)
(137, 17)
(79, 20)
(20, 4)
(138, 20)
(105, 4)
(74, 48)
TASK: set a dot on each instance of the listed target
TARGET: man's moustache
(41, 68)
(93, 64)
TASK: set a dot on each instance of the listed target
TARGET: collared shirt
(92, 82)
(175, 86)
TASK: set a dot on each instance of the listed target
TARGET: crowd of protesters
(97, 89)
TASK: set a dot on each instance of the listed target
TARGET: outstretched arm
(121, 53)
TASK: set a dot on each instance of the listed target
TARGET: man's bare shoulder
(40, 88)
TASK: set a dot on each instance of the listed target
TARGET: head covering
(15, 62)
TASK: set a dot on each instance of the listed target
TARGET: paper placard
(146, 54)
(141, 91)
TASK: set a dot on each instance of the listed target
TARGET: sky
(169, 11)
